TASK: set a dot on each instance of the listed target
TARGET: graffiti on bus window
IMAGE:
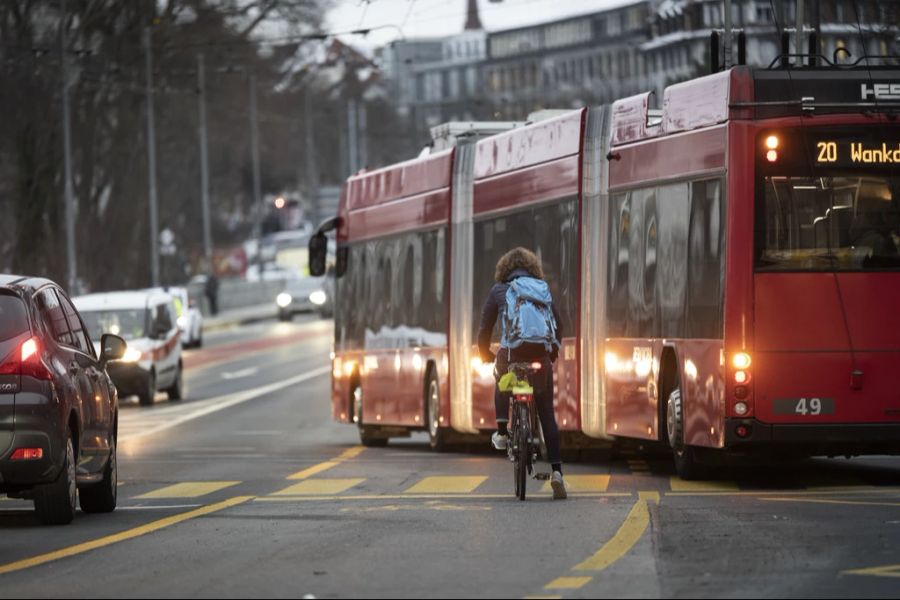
(666, 261)
(393, 294)
(550, 230)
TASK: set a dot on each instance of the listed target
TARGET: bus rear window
(13, 318)
(828, 223)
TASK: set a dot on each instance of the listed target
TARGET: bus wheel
(437, 435)
(686, 465)
(365, 435)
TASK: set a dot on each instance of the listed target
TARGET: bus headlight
(283, 299)
(318, 297)
(132, 355)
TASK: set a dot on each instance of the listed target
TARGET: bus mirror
(318, 251)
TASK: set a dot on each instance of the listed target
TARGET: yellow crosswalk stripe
(446, 485)
(188, 489)
(680, 485)
(567, 583)
(583, 483)
(319, 487)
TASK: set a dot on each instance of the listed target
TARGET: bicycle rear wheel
(523, 450)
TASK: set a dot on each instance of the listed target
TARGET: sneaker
(559, 486)
(499, 441)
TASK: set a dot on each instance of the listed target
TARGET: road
(247, 488)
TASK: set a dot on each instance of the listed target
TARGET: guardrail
(237, 293)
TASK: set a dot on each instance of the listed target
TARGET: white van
(147, 320)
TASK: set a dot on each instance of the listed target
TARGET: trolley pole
(151, 162)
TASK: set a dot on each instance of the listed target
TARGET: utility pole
(254, 149)
(312, 181)
(67, 152)
(799, 43)
(204, 160)
(728, 39)
(151, 163)
(362, 136)
(352, 144)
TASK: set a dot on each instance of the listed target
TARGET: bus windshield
(828, 223)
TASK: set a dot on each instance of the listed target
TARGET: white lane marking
(212, 405)
(248, 372)
(259, 432)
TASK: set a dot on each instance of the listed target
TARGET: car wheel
(54, 503)
(146, 396)
(176, 391)
(101, 498)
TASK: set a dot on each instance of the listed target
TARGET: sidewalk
(240, 316)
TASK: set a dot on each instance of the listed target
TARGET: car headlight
(182, 322)
(318, 297)
(283, 299)
(131, 355)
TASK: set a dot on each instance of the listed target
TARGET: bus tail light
(741, 360)
(741, 377)
(741, 392)
(742, 431)
(741, 408)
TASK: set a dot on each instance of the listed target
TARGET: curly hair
(518, 258)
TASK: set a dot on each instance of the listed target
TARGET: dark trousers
(542, 382)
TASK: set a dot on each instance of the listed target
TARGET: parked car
(188, 316)
(147, 321)
(58, 407)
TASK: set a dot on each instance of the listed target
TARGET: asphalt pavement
(247, 488)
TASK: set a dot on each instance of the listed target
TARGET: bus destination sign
(856, 153)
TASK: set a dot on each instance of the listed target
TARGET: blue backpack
(528, 317)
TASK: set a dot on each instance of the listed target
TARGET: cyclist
(516, 263)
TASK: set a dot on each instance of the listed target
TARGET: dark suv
(58, 407)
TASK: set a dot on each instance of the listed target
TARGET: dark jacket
(496, 305)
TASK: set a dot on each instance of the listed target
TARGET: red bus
(726, 269)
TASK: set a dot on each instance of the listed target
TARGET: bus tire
(437, 435)
(687, 465)
(366, 438)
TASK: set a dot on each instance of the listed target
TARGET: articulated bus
(726, 269)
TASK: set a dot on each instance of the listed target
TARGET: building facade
(610, 54)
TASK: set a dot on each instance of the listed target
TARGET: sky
(436, 18)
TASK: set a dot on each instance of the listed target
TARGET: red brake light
(27, 454)
(31, 364)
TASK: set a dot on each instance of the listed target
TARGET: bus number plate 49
(805, 407)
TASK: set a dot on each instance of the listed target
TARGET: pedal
(542, 476)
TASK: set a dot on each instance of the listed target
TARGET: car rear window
(13, 318)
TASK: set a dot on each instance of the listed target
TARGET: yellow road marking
(822, 501)
(761, 493)
(319, 487)
(446, 485)
(680, 485)
(583, 483)
(273, 498)
(567, 583)
(120, 537)
(885, 571)
(328, 464)
(314, 470)
(626, 537)
(188, 489)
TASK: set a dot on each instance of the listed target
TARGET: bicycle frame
(523, 449)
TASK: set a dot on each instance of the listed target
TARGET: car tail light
(27, 454)
(26, 360)
(536, 366)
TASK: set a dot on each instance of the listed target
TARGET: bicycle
(523, 447)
